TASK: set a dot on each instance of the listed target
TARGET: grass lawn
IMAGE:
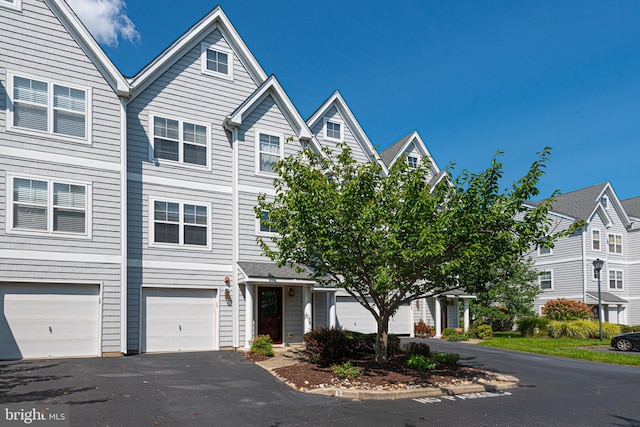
(563, 347)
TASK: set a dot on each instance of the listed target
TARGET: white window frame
(334, 121)
(257, 150)
(50, 108)
(13, 4)
(181, 122)
(413, 157)
(50, 208)
(599, 240)
(540, 279)
(604, 200)
(204, 47)
(544, 254)
(259, 231)
(181, 224)
(615, 244)
(616, 288)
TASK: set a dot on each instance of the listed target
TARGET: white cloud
(107, 20)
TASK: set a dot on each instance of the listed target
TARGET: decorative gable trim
(216, 19)
(338, 102)
(414, 138)
(612, 201)
(91, 48)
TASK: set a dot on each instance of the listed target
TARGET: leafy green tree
(392, 238)
(508, 299)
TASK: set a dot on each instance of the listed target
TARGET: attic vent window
(605, 202)
(217, 61)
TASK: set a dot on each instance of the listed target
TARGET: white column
(438, 318)
(332, 310)
(466, 315)
(306, 298)
(248, 326)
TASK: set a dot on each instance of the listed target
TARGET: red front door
(270, 313)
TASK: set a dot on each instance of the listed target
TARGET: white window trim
(540, 254)
(621, 244)
(49, 133)
(49, 231)
(180, 162)
(151, 214)
(14, 4)
(599, 240)
(324, 129)
(259, 232)
(257, 150)
(203, 61)
(540, 280)
(604, 200)
(609, 288)
(415, 157)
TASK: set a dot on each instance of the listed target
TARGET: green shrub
(582, 329)
(484, 332)
(419, 348)
(636, 328)
(421, 363)
(262, 345)
(609, 330)
(325, 346)
(527, 325)
(347, 370)
(625, 329)
(422, 330)
(446, 358)
(566, 309)
(365, 344)
(452, 334)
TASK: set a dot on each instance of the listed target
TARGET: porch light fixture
(291, 292)
(227, 294)
(597, 266)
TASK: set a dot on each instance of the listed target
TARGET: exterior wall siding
(318, 130)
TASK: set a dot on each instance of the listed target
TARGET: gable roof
(632, 206)
(90, 46)
(216, 19)
(336, 100)
(269, 271)
(393, 152)
(270, 87)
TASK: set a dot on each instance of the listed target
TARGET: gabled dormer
(412, 150)
(333, 123)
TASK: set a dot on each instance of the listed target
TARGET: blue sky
(473, 77)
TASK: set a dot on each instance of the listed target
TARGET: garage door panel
(49, 320)
(354, 317)
(179, 320)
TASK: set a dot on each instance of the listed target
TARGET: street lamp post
(597, 265)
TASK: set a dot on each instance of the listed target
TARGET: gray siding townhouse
(62, 218)
(611, 234)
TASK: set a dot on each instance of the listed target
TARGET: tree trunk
(382, 339)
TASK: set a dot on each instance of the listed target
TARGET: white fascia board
(599, 210)
(552, 212)
(91, 48)
(619, 208)
(216, 19)
(421, 146)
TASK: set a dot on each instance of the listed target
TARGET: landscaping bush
(484, 332)
(421, 363)
(325, 346)
(625, 329)
(413, 348)
(422, 330)
(528, 325)
(582, 329)
(446, 358)
(347, 370)
(451, 334)
(360, 344)
(565, 310)
(262, 345)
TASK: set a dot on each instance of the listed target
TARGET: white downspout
(236, 237)
(123, 227)
(438, 317)
(584, 264)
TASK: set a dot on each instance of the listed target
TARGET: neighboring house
(611, 234)
(63, 216)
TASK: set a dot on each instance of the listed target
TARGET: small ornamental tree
(390, 238)
(566, 309)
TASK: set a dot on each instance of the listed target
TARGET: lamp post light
(597, 265)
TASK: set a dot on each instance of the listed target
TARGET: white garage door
(178, 320)
(354, 317)
(49, 320)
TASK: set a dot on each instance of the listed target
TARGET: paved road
(222, 389)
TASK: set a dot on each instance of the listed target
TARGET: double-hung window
(615, 243)
(615, 279)
(264, 227)
(180, 223)
(216, 61)
(546, 280)
(334, 130)
(269, 151)
(180, 141)
(48, 107)
(49, 206)
(595, 240)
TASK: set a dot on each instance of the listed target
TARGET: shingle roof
(632, 206)
(578, 204)
(390, 152)
(269, 270)
(607, 298)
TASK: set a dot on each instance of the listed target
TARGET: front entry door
(270, 313)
